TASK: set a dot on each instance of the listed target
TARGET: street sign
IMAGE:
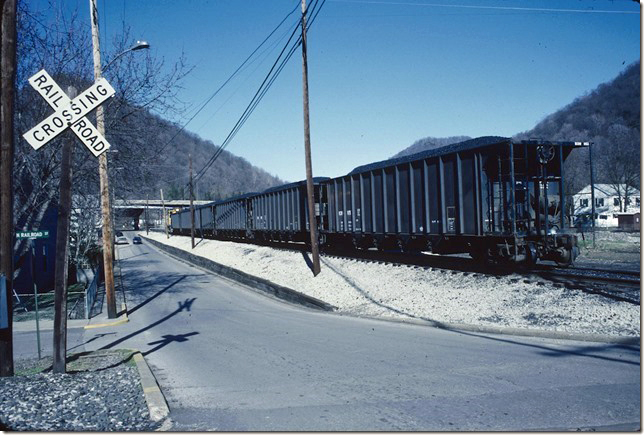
(69, 113)
(32, 234)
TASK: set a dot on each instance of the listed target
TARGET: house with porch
(607, 205)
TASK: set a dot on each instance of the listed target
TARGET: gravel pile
(407, 292)
(104, 395)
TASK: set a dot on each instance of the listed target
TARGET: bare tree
(621, 162)
(61, 44)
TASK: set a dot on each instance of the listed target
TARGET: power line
(264, 54)
(229, 78)
(263, 88)
(246, 112)
(506, 8)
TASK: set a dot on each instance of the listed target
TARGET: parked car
(121, 240)
(136, 240)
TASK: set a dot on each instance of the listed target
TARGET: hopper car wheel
(566, 259)
(531, 254)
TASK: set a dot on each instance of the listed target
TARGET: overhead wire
(263, 92)
(270, 78)
(229, 79)
(263, 55)
(505, 8)
(247, 111)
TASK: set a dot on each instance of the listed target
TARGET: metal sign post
(33, 279)
(32, 236)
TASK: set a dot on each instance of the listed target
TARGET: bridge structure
(131, 213)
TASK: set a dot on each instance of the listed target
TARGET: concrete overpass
(129, 213)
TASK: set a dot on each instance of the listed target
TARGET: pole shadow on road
(167, 339)
(183, 306)
(133, 256)
(157, 294)
(95, 337)
(586, 351)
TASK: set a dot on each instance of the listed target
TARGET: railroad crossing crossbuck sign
(69, 113)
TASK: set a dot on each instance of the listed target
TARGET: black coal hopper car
(491, 197)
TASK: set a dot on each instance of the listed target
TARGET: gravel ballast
(436, 295)
(100, 392)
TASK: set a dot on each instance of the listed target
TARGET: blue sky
(382, 73)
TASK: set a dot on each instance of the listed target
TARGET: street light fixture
(140, 45)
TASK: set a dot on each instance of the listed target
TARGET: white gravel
(381, 290)
(106, 397)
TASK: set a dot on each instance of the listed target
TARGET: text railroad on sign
(69, 113)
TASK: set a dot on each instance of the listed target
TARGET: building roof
(606, 190)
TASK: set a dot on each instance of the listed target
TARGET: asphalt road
(230, 359)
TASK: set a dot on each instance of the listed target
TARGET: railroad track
(617, 285)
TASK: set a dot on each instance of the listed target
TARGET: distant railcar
(231, 217)
(206, 220)
(281, 213)
(180, 221)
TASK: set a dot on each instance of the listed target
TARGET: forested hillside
(168, 168)
(609, 117)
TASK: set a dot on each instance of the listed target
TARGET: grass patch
(610, 243)
(78, 362)
(99, 360)
(32, 367)
(75, 293)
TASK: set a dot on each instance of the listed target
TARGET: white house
(606, 204)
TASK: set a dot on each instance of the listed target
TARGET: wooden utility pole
(7, 91)
(192, 208)
(147, 225)
(307, 152)
(165, 221)
(62, 252)
(108, 238)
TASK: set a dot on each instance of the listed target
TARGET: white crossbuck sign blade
(69, 113)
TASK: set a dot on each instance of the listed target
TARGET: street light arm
(140, 45)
